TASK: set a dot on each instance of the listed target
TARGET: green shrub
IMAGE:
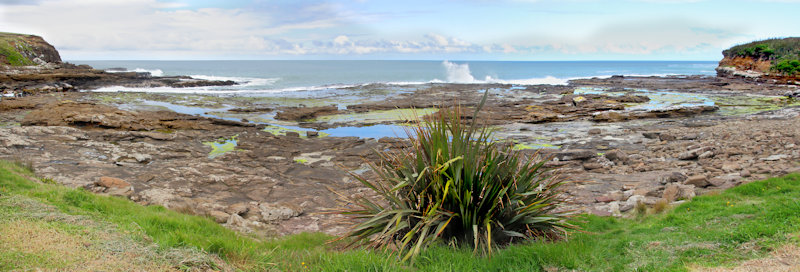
(457, 186)
(756, 51)
(773, 49)
(787, 66)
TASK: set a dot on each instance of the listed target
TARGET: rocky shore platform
(274, 165)
(30, 65)
(59, 77)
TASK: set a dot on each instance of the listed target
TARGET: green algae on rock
(281, 131)
(301, 161)
(378, 116)
(523, 146)
(742, 105)
(222, 146)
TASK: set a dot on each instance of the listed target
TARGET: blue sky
(408, 29)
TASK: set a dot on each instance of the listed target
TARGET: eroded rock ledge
(28, 65)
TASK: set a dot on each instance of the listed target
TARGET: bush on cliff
(783, 53)
(788, 67)
(457, 186)
(760, 51)
(786, 48)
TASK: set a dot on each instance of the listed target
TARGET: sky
(515, 30)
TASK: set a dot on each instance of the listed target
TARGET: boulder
(631, 203)
(697, 180)
(157, 196)
(238, 208)
(278, 211)
(114, 186)
(725, 181)
(666, 137)
(576, 154)
(705, 155)
(694, 153)
(745, 173)
(110, 182)
(592, 165)
(651, 135)
(617, 155)
(219, 217)
(674, 177)
(689, 137)
(675, 191)
(604, 199)
(730, 166)
(612, 196)
(236, 221)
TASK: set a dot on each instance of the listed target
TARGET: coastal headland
(274, 166)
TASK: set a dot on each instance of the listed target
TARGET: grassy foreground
(52, 227)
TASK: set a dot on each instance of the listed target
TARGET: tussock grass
(455, 185)
(725, 229)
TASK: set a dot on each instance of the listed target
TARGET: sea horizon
(273, 76)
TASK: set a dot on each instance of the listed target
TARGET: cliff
(30, 65)
(772, 59)
(24, 50)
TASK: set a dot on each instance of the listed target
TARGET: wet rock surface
(304, 113)
(58, 77)
(274, 184)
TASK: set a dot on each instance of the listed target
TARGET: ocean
(278, 76)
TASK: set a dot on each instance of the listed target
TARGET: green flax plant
(457, 186)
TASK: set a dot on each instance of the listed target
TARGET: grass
(35, 235)
(721, 229)
(9, 43)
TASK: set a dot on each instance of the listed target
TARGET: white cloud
(175, 29)
(342, 40)
(149, 25)
(439, 39)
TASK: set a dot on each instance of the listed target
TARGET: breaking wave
(154, 72)
(460, 73)
(242, 81)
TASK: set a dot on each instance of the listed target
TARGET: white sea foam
(458, 73)
(454, 72)
(549, 80)
(215, 90)
(154, 72)
(242, 81)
